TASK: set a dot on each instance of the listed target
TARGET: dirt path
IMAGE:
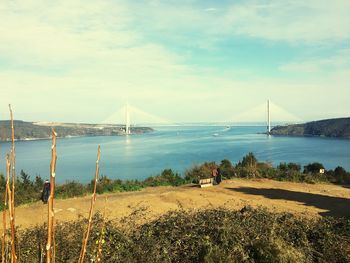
(303, 199)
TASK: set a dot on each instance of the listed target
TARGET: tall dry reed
(51, 213)
(11, 171)
(10, 204)
(93, 200)
(13, 164)
(3, 241)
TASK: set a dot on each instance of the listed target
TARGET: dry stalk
(51, 213)
(3, 241)
(13, 164)
(93, 200)
(11, 210)
(53, 240)
(13, 177)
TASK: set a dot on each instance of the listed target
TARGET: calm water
(140, 156)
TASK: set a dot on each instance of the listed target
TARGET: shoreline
(30, 131)
(67, 137)
(305, 136)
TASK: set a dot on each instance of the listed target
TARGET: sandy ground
(298, 198)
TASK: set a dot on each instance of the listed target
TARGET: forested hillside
(30, 130)
(339, 128)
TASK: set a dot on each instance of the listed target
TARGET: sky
(184, 61)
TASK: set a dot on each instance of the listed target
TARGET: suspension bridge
(130, 115)
(267, 112)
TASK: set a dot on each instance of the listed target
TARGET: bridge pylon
(127, 120)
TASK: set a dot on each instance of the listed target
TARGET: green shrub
(227, 169)
(71, 189)
(127, 186)
(167, 177)
(198, 172)
(105, 184)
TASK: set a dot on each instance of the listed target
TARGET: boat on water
(215, 134)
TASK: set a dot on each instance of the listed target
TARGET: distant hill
(31, 130)
(338, 128)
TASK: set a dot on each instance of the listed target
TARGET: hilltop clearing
(309, 200)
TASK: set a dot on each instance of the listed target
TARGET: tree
(339, 171)
(2, 182)
(39, 183)
(313, 168)
(282, 167)
(248, 167)
(25, 179)
(341, 175)
(226, 168)
(294, 167)
(200, 172)
(249, 160)
(286, 167)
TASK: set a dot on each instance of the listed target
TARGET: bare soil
(309, 200)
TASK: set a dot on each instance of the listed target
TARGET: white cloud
(293, 21)
(211, 9)
(337, 61)
(81, 60)
(62, 32)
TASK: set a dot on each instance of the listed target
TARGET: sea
(170, 147)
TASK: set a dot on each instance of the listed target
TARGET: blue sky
(184, 61)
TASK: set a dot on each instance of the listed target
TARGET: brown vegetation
(209, 235)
